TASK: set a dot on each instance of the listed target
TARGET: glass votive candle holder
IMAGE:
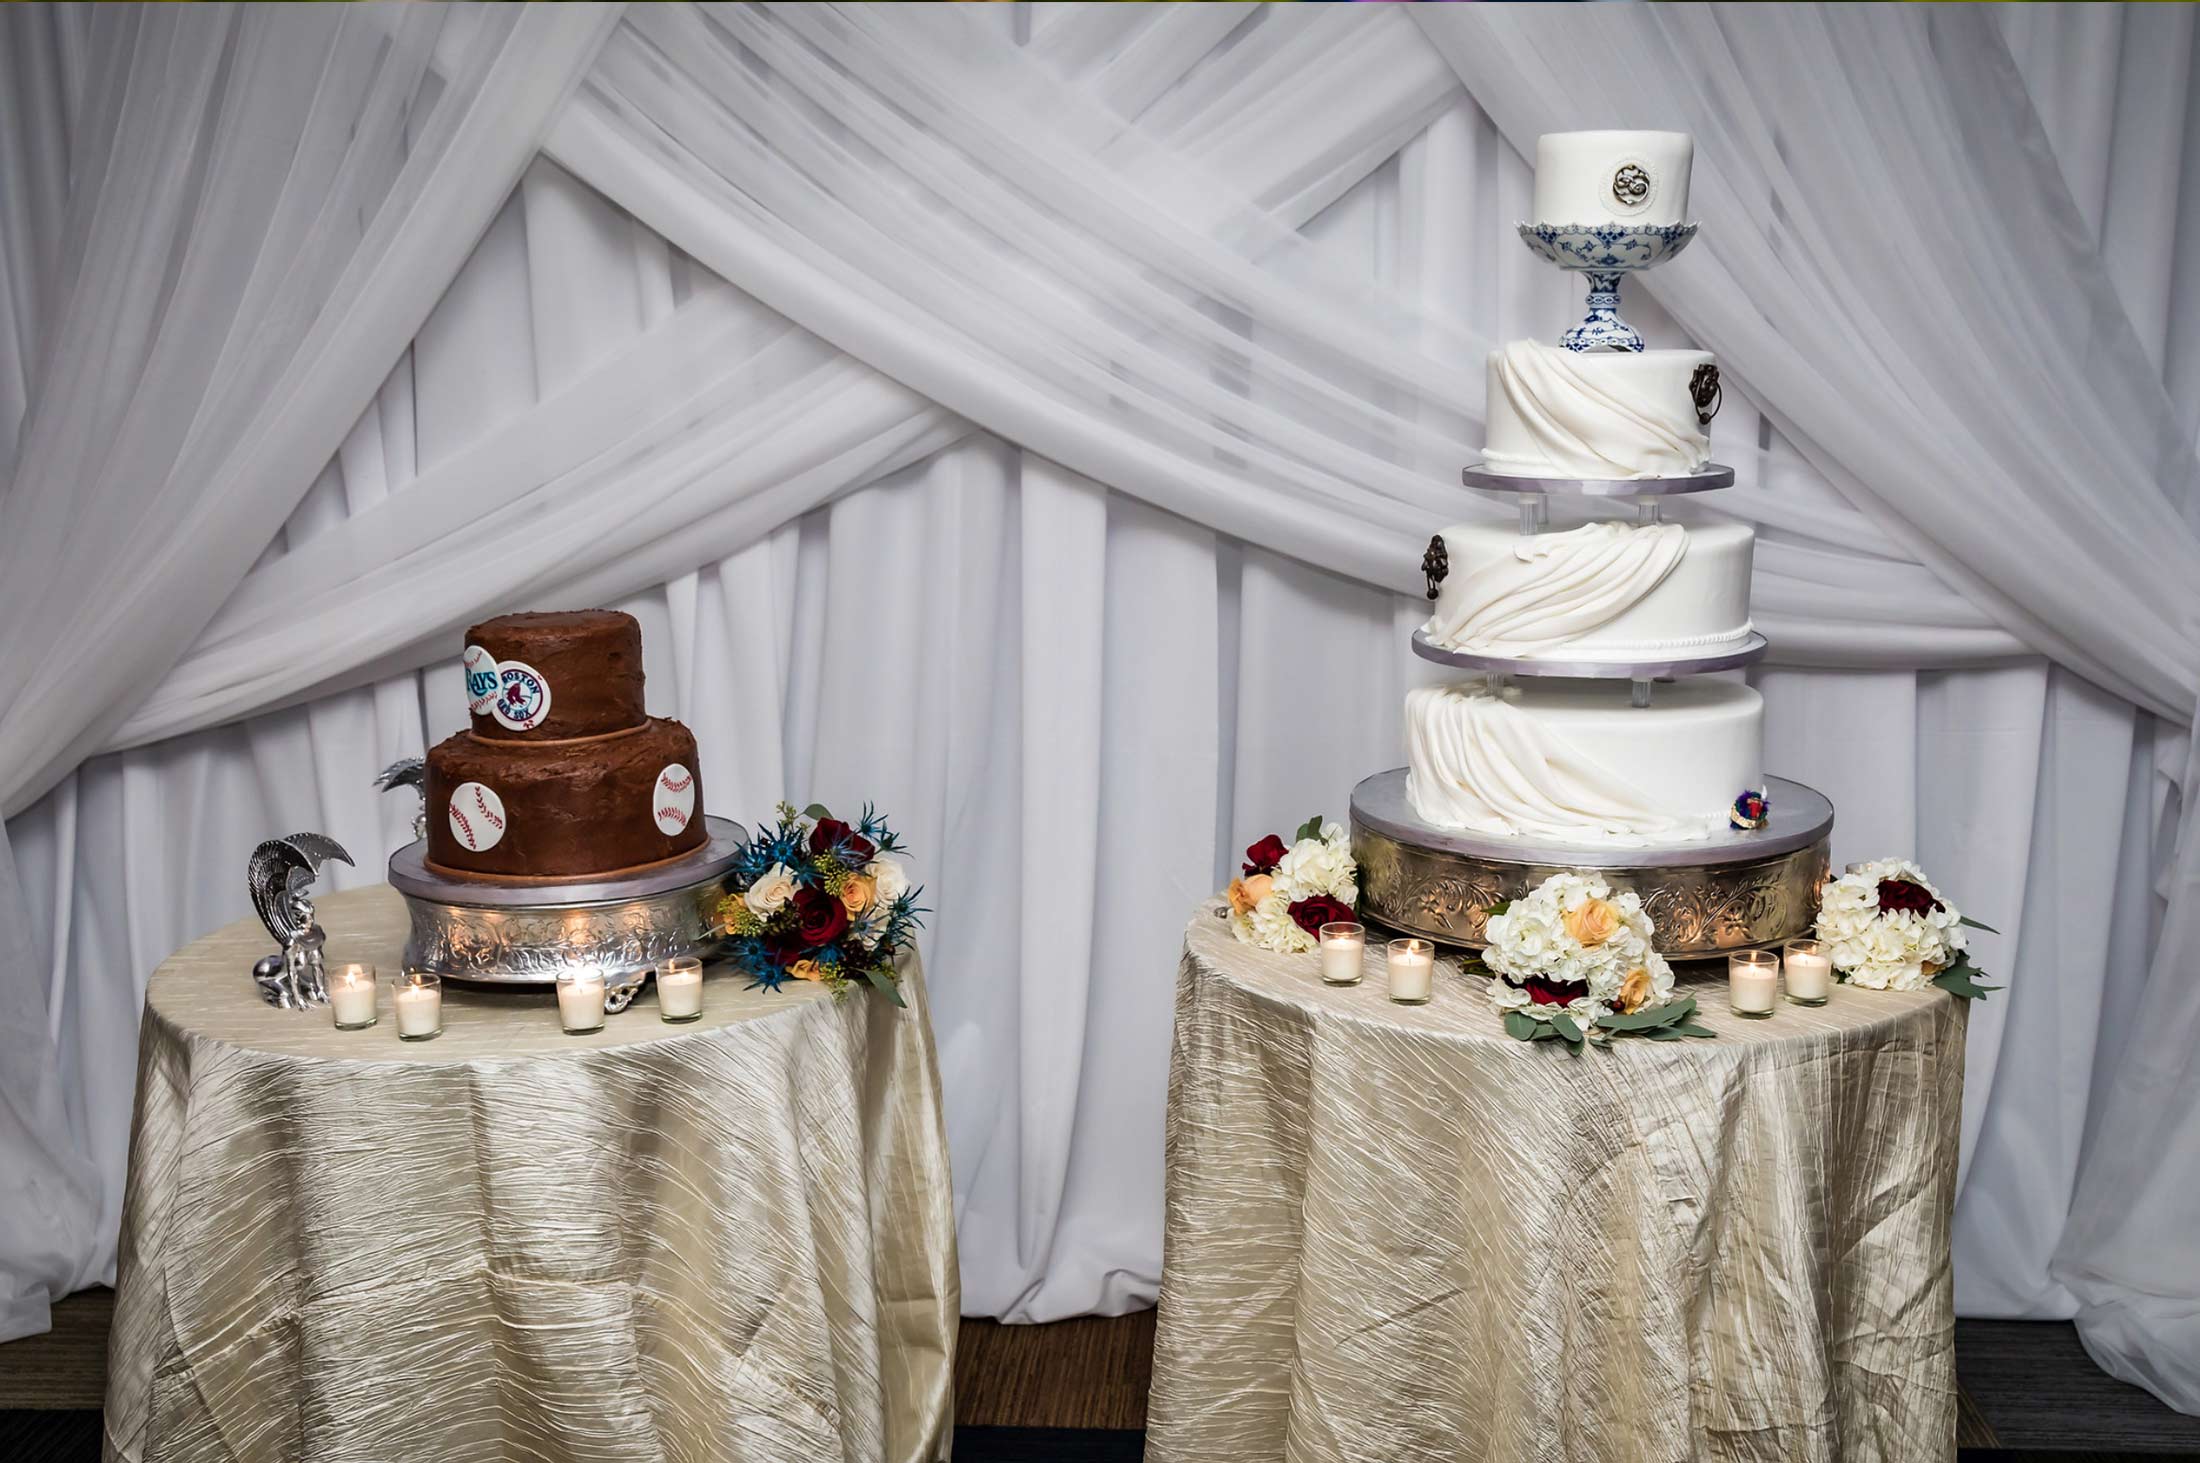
(351, 996)
(580, 1001)
(1809, 972)
(1342, 944)
(680, 988)
(1752, 982)
(417, 1001)
(1412, 967)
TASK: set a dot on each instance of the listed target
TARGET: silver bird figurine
(409, 772)
(281, 872)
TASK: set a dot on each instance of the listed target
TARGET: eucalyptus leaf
(885, 986)
(1662, 1033)
(1520, 1025)
(1642, 1020)
(1685, 1006)
(1567, 1027)
(1573, 1048)
(816, 812)
(1690, 1028)
(1497, 909)
(1976, 924)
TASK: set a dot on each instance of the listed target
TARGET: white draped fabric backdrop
(1029, 418)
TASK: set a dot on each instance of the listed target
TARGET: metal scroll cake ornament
(280, 872)
(1734, 891)
(409, 772)
(501, 933)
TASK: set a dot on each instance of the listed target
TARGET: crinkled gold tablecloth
(1397, 1235)
(729, 1240)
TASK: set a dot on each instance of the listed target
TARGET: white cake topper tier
(1613, 177)
(1607, 204)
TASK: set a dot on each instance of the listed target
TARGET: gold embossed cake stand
(1735, 890)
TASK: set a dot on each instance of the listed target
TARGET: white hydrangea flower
(1887, 949)
(1273, 928)
(1531, 939)
(1310, 867)
(1318, 866)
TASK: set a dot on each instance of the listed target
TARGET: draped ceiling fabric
(1030, 418)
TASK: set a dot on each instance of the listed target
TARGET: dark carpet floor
(1075, 1391)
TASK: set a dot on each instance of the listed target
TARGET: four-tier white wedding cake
(1573, 756)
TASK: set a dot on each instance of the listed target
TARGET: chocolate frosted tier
(566, 673)
(567, 809)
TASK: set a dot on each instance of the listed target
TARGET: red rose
(1554, 992)
(1263, 856)
(1311, 914)
(785, 947)
(831, 832)
(819, 918)
(1897, 894)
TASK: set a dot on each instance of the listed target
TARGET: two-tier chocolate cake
(562, 775)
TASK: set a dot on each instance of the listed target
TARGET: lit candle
(580, 1000)
(1342, 944)
(1752, 982)
(1809, 973)
(418, 1002)
(1412, 971)
(351, 996)
(680, 988)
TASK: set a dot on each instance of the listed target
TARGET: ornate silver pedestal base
(526, 934)
(1731, 892)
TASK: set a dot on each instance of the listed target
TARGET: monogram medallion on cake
(1631, 187)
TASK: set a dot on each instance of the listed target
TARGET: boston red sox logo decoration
(523, 703)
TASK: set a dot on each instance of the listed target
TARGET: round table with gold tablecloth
(728, 1239)
(1397, 1235)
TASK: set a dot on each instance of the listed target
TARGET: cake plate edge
(529, 934)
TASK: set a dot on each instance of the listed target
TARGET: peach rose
(1592, 922)
(1249, 891)
(1633, 991)
(856, 895)
(806, 970)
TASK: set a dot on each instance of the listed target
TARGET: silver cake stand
(529, 934)
(1734, 891)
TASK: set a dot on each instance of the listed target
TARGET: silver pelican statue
(280, 874)
(409, 772)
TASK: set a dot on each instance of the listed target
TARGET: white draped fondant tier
(1601, 591)
(1613, 177)
(1558, 413)
(1574, 762)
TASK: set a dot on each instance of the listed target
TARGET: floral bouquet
(1887, 928)
(1572, 961)
(1289, 893)
(818, 899)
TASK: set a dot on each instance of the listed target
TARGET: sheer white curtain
(1053, 395)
